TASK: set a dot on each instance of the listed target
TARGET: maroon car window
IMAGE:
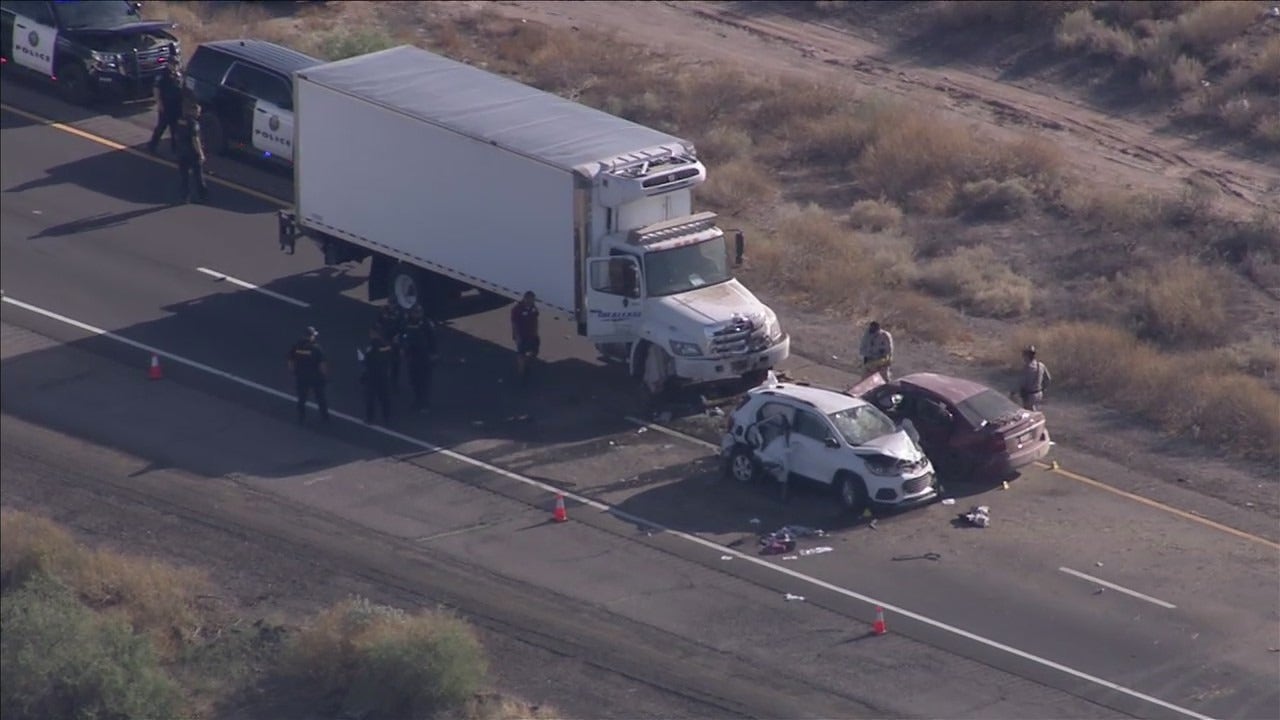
(988, 406)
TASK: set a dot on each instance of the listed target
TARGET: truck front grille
(739, 337)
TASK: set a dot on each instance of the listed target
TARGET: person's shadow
(96, 222)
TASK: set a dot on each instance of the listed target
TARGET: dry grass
(992, 200)
(1193, 397)
(738, 185)
(1178, 303)
(980, 282)
(875, 215)
(158, 599)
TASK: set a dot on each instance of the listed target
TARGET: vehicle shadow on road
(241, 333)
(40, 97)
(124, 176)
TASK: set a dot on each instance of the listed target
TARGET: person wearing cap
(524, 332)
(876, 350)
(190, 154)
(391, 324)
(376, 378)
(310, 372)
(1035, 378)
(168, 93)
(419, 344)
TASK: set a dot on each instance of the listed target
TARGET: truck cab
(89, 50)
(661, 292)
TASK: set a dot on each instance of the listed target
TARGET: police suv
(89, 48)
(245, 91)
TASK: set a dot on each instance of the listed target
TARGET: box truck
(447, 177)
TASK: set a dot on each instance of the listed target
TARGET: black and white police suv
(88, 48)
(792, 431)
(245, 91)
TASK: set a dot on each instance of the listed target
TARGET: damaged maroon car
(968, 430)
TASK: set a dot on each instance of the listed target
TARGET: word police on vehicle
(246, 90)
(88, 49)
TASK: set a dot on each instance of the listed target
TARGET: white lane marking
(316, 479)
(250, 286)
(719, 549)
(672, 432)
(1118, 588)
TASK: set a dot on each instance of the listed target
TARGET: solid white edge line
(1118, 588)
(594, 504)
(250, 286)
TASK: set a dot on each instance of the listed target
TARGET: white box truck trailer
(449, 177)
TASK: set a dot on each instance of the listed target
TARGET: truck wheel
(73, 84)
(852, 491)
(407, 288)
(743, 466)
(212, 135)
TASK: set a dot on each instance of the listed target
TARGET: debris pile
(978, 516)
(783, 540)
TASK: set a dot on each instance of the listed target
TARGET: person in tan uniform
(876, 350)
(1035, 378)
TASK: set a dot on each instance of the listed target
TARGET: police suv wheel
(73, 84)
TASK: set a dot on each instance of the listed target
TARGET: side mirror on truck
(739, 247)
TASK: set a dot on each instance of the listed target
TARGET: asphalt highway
(1074, 603)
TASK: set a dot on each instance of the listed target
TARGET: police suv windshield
(861, 424)
(80, 14)
(687, 267)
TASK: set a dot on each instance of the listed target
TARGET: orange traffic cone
(879, 627)
(560, 515)
(154, 372)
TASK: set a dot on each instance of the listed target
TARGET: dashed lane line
(222, 277)
(717, 548)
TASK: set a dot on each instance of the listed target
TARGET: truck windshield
(687, 267)
(107, 14)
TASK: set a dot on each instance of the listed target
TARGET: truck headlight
(685, 349)
(772, 328)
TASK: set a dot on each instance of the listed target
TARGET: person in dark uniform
(419, 343)
(376, 376)
(168, 94)
(524, 331)
(310, 372)
(190, 154)
(391, 323)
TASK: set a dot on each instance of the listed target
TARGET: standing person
(1035, 378)
(391, 325)
(376, 375)
(190, 154)
(877, 351)
(420, 353)
(310, 372)
(168, 93)
(524, 332)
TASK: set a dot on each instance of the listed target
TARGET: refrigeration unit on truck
(448, 177)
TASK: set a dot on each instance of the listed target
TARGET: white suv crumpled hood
(896, 445)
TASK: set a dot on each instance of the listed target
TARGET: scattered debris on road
(802, 531)
(978, 516)
(933, 556)
(642, 431)
(791, 597)
(726, 557)
(777, 543)
(948, 501)
(816, 550)
(873, 524)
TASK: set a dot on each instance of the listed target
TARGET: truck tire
(408, 287)
(73, 84)
(852, 492)
(212, 136)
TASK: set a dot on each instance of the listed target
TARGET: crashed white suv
(787, 431)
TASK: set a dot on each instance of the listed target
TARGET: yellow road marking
(275, 200)
(1159, 505)
(72, 130)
